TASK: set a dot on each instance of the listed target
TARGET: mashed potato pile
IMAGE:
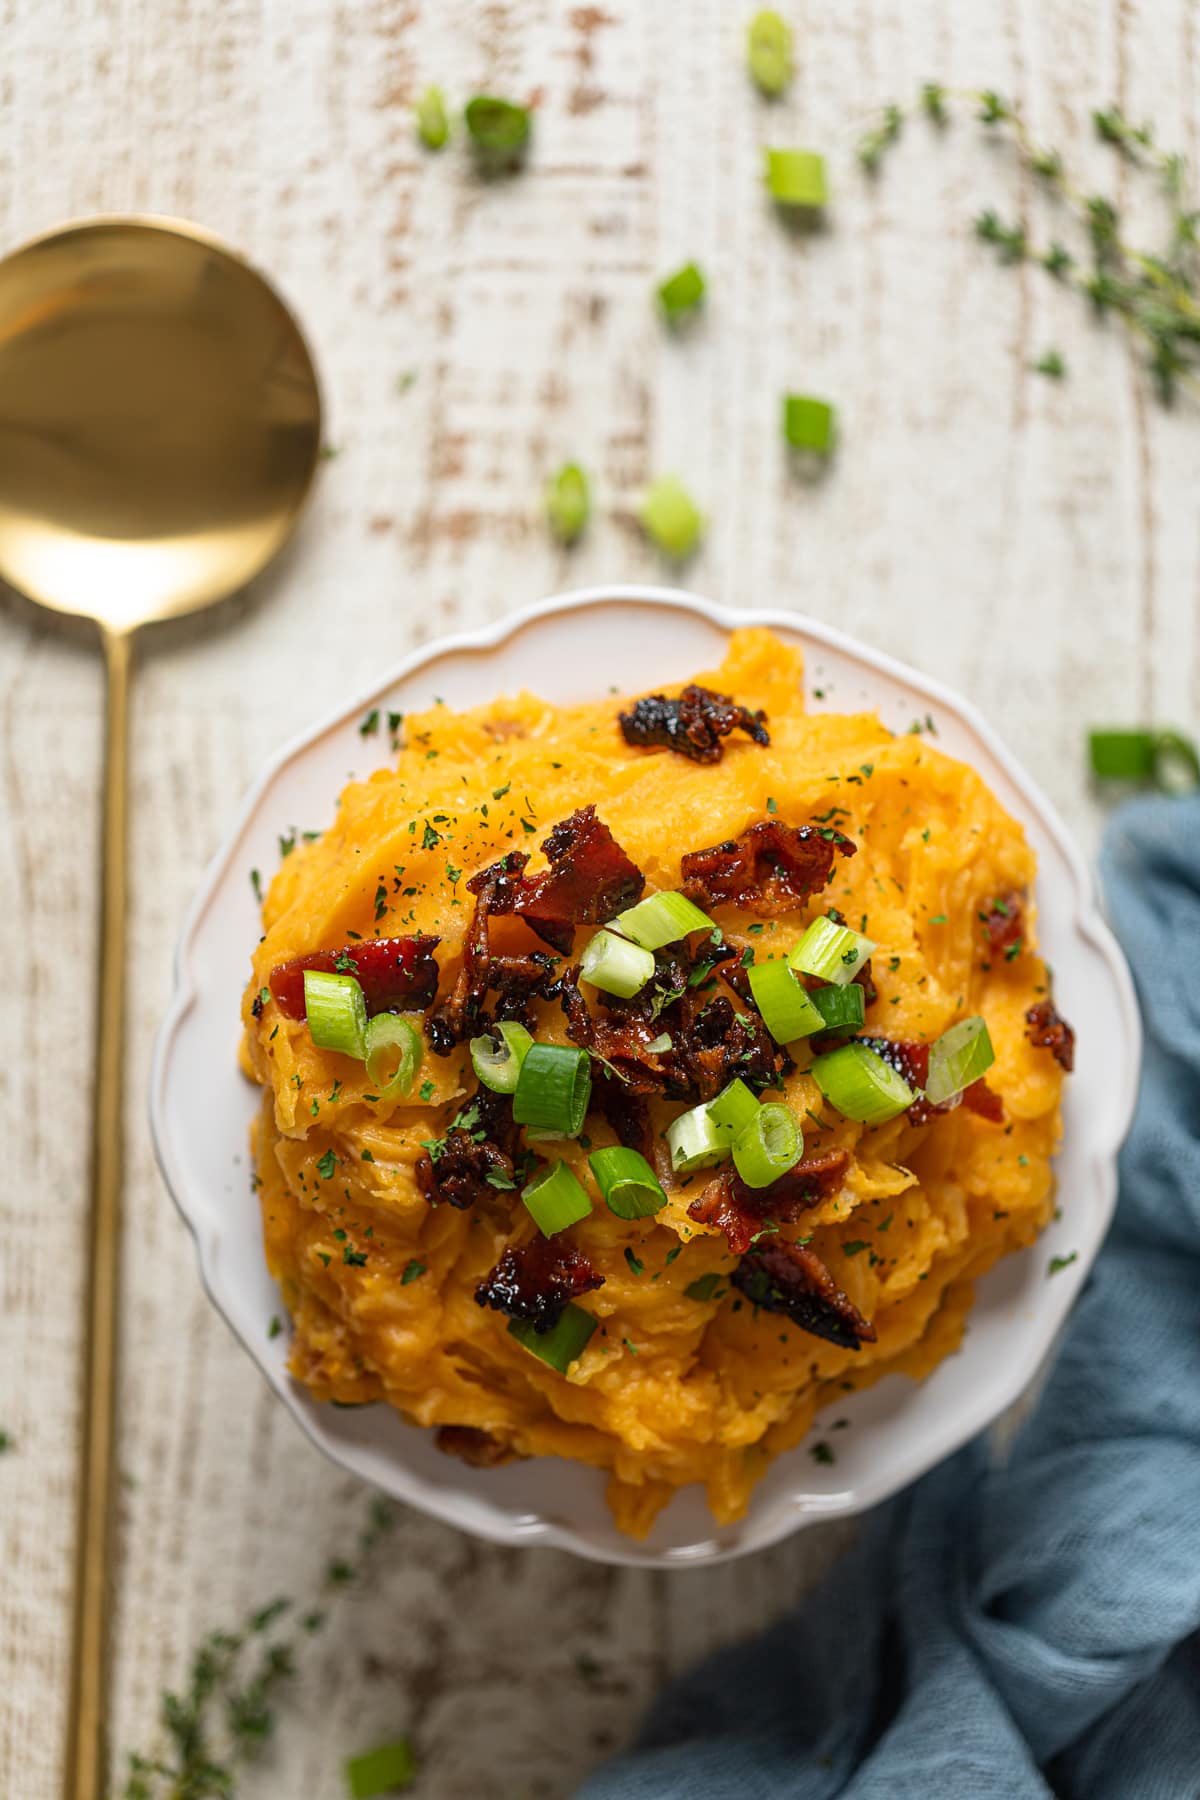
(701, 1364)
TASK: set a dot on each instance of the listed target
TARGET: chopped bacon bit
(480, 1143)
(693, 725)
(589, 881)
(790, 1279)
(536, 1280)
(984, 1100)
(395, 974)
(711, 1040)
(477, 1448)
(866, 982)
(739, 1211)
(771, 868)
(626, 1114)
(1004, 925)
(1048, 1030)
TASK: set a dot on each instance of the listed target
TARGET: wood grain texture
(1035, 544)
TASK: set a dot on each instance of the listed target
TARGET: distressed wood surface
(1035, 544)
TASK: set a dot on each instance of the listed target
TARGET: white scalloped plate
(573, 648)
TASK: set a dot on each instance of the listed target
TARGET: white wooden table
(1036, 544)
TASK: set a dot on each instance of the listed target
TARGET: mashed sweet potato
(685, 1380)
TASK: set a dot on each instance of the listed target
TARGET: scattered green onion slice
(681, 292)
(671, 518)
(616, 966)
(831, 952)
(841, 1008)
(553, 1089)
(498, 1065)
(1122, 755)
(662, 919)
(861, 1085)
(563, 1343)
(733, 1108)
(768, 1146)
(555, 1199)
(796, 177)
(499, 130)
(381, 1771)
(808, 424)
(787, 1011)
(392, 1038)
(627, 1183)
(661, 1044)
(769, 53)
(1176, 765)
(568, 503)
(695, 1142)
(336, 1010)
(433, 126)
(959, 1057)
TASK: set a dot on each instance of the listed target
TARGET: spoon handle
(85, 1775)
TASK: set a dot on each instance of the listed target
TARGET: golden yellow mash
(671, 1389)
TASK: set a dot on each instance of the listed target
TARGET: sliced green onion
(1176, 765)
(499, 130)
(787, 1011)
(769, 53)
(393, 1039)
(808, 424)
(498, 1065)
(661, 1044)
(670, 518)
(1122, 755)
(568, 503)
(433, 126)
(768, 1146)
(616, 966)
(381, 1771)
(563, 1343)
(831, 952)
(555, 1199)
(733, 1108)
(681, 292)
(628, 1184)
(336, 1010)
(695, 1142)
(660, 920)
(553, 1089)
(796, 177)
(842, 1008)
(861, 1085)
(959, 1057)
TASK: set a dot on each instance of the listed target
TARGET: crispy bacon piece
(739, 1211)
(477, 1448)
(790, 1279)
(395, 974)
(1004, 925)
(589, 881)
(693, 725)
(535, 1281)
(984, 1100)
(771, 868)
(1048, 1030)
(480, 1143)
(626, 1114)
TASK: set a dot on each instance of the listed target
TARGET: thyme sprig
(1155, 294)
(225, 1715)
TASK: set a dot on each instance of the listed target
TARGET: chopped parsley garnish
(370, 725)
(1062, 1262)
(855, 1246)
(356, 1259)
(499, 793)
(431, 838)
(636, 1266)
(256, 885)
(822, 1453)
(274, 1328)
(704, 1287)
(326, 1165)
(426, 1090)
(412, 1271)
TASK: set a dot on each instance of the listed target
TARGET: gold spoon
(160, 423)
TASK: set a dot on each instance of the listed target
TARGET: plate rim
(1086, 920)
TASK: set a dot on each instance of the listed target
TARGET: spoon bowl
(160, 426)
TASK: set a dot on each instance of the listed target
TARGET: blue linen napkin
(1029, 1629)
